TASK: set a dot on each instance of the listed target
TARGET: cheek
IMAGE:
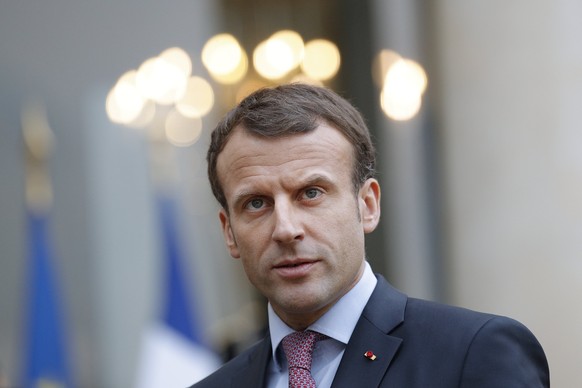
(347, 222)
(349, 234)
(249, 268)
(252, 244)
(342, 235)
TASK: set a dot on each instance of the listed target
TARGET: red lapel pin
(370, 355)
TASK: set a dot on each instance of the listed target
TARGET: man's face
(294, 219)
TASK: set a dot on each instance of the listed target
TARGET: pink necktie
(298, 348)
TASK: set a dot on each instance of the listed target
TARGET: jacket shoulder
(478, 349)
(444, 345)
(454, 327)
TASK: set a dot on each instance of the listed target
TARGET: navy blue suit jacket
(418, 344)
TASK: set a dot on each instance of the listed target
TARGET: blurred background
(113, 271)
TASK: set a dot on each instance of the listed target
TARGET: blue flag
(174, 352)
(178, 310)
(46, 361)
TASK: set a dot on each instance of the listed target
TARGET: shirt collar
(338, 322)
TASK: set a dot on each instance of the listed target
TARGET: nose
(288, 226)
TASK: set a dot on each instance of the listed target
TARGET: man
(293, 169)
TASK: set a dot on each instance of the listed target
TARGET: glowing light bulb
(321, 60)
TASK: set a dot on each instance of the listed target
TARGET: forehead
(246, 155)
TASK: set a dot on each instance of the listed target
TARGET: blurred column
(404, 150)
(124, 243)
(354, 34)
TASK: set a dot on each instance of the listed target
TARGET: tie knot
(298, 348)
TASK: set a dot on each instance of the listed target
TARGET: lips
(294, 269)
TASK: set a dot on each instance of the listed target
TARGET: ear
(228, 235)
(369, 201)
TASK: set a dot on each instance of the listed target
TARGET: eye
(255, 204)
(312, 193)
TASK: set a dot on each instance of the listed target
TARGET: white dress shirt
(337, 323)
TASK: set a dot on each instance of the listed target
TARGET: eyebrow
(317, 179)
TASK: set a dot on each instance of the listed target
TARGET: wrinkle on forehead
(237, 156)
(280, 161)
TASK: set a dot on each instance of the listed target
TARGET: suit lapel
(383, 312)
(253, 375)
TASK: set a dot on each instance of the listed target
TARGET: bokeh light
(179, 58)
(163, 87)
(418, 75)
(400, 107)
(295, 42)
(37, 133)
(321, 60)
(224, 58)
(161, 81)
(236, 75)
(277, 56)
(198, 99)
(162, 96)
(145, 116)
(404, 83)
(182, 131)
(272, 59)
(382, 63)
(406, 74)
(124, 102)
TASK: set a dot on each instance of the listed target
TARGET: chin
(302, 304)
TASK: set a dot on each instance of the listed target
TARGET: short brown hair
(289, 109)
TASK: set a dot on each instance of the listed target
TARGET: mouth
(294, 269)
